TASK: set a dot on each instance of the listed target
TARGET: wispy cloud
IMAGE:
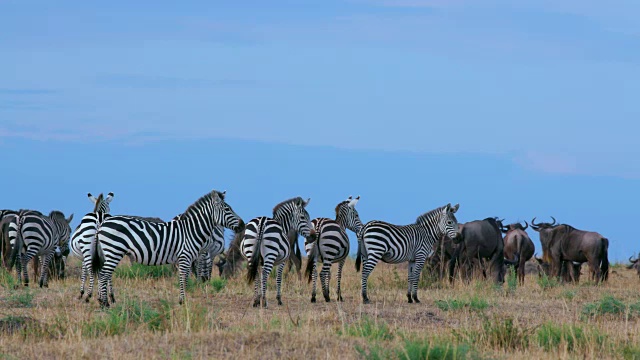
(547, 162)
(26, 91)
(167, 82)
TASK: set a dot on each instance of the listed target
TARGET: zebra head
(448, 221)
(101, 203)
(63, 227)
(293, 215)
(347, 215)
(223, 214)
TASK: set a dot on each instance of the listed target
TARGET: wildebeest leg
(521, 270)
(594, 266)
(455, 258)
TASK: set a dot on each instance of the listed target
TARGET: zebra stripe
(84, 235)
(331, 245)
(31, 233)
(213, 247)
(396, 244)
(266, 239)
(151, 243)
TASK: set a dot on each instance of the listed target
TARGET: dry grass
(473, 320)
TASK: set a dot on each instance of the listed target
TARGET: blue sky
(511, 109)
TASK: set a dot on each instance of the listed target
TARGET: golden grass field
(476, 320)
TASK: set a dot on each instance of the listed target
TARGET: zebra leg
(256, 292)
(340, 266)
(25, 262)
(417, 270)
(83, 279)
(325, 274)
(185, 271)
(279, 283)
(44, 271)
(369, 265)
(315, 279)
(267, 266)
(103, 282)
(410, 268)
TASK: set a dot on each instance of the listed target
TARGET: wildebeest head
(546, 231)
(635, 264)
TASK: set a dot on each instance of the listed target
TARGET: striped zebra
(213, 247)
(84, 236)
(152, 243)
(32, 233)
(331, 245)
(396, 244)
(265, 243)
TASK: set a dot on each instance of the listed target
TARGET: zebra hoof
(81, 295)
(313, 299)
(326, 299)
(279, 302)
(366, 301)
(340, 298)
(256, 303)
(410, 300)
(113, 299)
(415, 299)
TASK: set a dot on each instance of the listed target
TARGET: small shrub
(545, 282)
(551, 337)
(7, 280)
(569, 294)
(370, 329)
(607, 305)
(631, 352)
(474, 303)
(500, 333)
(218, 284)
(139, 271)
(445, 350)
(22, 298)
(123, 316)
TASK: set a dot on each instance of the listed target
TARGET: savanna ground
(541, 319)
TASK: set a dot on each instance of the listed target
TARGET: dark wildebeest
(565, 243)
(480, 239)
(518, 247)
(229, 262)
(442, 253)
(570, 270)
(635, 264)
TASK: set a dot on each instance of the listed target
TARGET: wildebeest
(635, 264)
(518, 247)
(480, 239)
(563, 242)
(570, 271)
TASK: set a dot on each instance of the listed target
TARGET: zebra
(213, 247)
(265, 242)
(32, 233)
(84, 235)
(331, 245)
(394, 244)
(152, 243)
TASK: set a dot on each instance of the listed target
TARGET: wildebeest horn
(631, 260)
(526, 226)
(533, 223)
(554, 220)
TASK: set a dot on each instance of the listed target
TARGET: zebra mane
(340, 205)
(55, 214)
(423, 218)
(198, 203)
(99, 201)
(277, 208)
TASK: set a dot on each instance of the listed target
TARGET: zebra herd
(192, 239)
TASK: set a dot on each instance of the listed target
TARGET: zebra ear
(92, 198)
(305, 203)
(353, 202)
(455, 208)
(350, 198)
(109, 197)
(69, 219)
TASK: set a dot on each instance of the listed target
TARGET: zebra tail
(359, 256)
(97, 254)
(313, 254)
(19, 243)
(254, 264)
